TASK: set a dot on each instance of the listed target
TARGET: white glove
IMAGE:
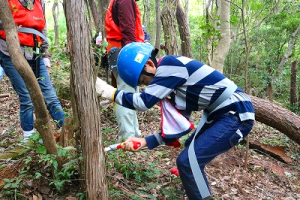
(47, 62)
(105, 90)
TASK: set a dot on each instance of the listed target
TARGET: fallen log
(277, 117)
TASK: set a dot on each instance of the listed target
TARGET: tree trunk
(288, 53)
(270, 91)
(103, 4)
(85, 98)
(222, 49)
(146, 16)
(208, 12)
(184, 31)
(42, 121)
(158, 24)
(293, 89)
(96, 14)
(186, 7)
(277, 117)
(247, 51)
(55, 14)
(168, 16)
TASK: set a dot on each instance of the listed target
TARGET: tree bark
(288, 53)
(277, 117)
(42, 122)
(146, 16)
(96, 14)
(158, 24)
(186, 7)
(55, 14)
(222, 49)
(247, 50)
(208, 20)
(293, 89)
(103, 4)
(85, 98)
(168, 16)
(184, 31)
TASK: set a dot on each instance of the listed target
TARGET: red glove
(175, 144)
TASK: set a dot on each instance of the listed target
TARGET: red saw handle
(136, 145)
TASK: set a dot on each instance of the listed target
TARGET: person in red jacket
(30, 16)
(123, 26)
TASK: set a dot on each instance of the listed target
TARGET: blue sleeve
(156, 140)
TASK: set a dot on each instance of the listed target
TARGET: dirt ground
(264, 178)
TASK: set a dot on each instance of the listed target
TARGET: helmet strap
(147, 73)
(153, 56)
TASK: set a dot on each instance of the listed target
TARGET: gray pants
(126, 118)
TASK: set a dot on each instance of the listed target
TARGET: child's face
(150, 68)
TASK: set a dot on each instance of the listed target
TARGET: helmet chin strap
(147, 73)
(153, 56)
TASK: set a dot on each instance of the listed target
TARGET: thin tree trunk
(42, 121)
(186, 7)
(247, 51)
(168, 17)
(208, 11)
(287, 53)
(55, 14)
(85, 98)
(96, 14)
(223, 46)
(298, 97)
(103, 4)
(184, 31)
(293, 89)
(270, 91)
(158, 24)
(282, 62)
(146, 16)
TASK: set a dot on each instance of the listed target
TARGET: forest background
(261, 54)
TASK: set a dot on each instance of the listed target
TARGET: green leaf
(159, 153)
(18, 181)
(35, 136)
(37, 175)
(8, 180)
(55, 164)
(7, 185)
(41, 149)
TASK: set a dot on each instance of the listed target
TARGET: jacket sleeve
(156, 139)
(127, 18)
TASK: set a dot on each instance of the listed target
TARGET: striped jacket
(192, 86)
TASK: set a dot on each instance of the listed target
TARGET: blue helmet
(144, 27)
(131, 61)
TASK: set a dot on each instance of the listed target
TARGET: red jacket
(123, 22)
(27, 18)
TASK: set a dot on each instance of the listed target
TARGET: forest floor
(146, 174)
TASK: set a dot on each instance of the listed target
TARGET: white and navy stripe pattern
(192, 86)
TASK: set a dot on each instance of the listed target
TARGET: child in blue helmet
(228, 114)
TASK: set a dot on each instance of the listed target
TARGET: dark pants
(213, 140)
